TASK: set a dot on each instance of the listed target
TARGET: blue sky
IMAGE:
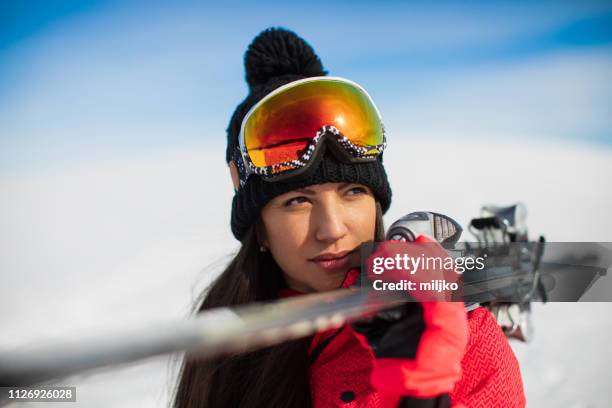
(92, 80)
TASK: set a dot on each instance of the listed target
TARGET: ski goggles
(282, 134)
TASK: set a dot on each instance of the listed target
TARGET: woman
(305, 157)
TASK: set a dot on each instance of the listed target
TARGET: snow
(94, 246)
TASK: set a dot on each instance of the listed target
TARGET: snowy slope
(120, 243)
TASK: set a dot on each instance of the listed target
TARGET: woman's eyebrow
(305, 191)
(312, 192)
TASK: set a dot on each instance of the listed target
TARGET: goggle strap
(240, 165)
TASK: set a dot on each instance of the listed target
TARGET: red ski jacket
(341, 365)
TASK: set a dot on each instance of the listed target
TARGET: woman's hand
(419, 345)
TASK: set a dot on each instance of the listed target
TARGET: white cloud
(563, 95)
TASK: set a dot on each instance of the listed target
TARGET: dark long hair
(272, 377)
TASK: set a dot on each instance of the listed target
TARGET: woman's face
(313, 232)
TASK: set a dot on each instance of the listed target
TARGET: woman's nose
(330, 223)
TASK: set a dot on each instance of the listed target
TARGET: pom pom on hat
(278, 52)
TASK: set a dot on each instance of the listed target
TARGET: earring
(262, 248)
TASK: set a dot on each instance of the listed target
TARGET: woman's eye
(295, 201)
(356, 191)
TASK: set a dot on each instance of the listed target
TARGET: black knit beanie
(274, 58)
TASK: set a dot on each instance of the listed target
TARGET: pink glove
(437, 328)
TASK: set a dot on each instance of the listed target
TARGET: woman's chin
(331, 281)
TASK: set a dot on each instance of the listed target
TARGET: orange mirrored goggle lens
(279, 129)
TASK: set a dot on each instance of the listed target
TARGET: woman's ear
(260, 234)
(234, 174)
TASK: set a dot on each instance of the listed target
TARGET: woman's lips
(332, 262)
